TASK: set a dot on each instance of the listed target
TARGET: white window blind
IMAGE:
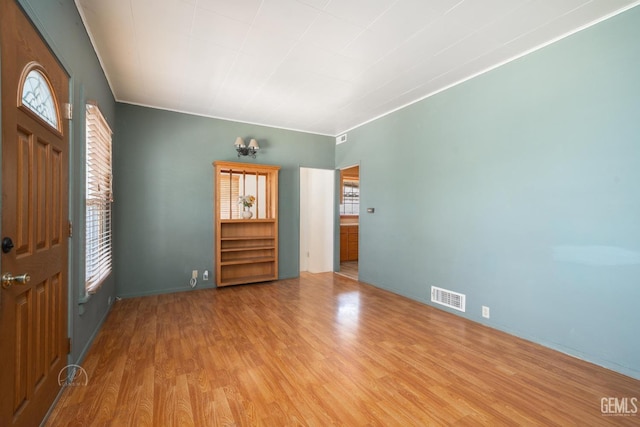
(99, 196)
(229, 192)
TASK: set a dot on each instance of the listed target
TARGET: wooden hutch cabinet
(246, 249)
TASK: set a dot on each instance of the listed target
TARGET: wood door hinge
(67, 111)
(69, 346)
(70, 229)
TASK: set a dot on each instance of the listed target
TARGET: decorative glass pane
(37, 97)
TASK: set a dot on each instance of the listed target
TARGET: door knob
(8, 280)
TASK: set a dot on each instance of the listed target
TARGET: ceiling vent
(340, 139)
(448, 298)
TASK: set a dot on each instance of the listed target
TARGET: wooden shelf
(246, 250)
(255, 260)
(246, 221)
(225, 239)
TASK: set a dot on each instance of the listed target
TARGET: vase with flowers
(246, 202)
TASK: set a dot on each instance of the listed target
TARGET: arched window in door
(37, 95)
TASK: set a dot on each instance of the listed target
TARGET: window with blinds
(229, 193)
(99, 196)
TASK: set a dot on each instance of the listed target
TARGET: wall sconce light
(243, 150)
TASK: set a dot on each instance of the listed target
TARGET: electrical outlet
(194, 274)
(205, 275)
(485, 312)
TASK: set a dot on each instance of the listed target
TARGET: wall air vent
(448, 298)
(340, 139)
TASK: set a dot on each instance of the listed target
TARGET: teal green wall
(62, 28)
(519, 188)
(163, 185)
(522, 193)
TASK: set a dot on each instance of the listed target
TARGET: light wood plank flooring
(349, 269)
(324, 350)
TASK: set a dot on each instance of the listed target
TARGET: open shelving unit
(246, 250)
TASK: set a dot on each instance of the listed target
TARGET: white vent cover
(340, 139)
(448, 298)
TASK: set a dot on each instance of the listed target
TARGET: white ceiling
(320, 66)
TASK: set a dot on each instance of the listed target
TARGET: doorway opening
(349, 221)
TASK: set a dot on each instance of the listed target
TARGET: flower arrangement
(246, 201)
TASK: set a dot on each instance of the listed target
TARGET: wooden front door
(33, 296)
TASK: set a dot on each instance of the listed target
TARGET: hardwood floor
(349, 269)
(324, 350)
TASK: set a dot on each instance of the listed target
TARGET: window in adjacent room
(350, 191)
(350, 204)
(99, 197)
